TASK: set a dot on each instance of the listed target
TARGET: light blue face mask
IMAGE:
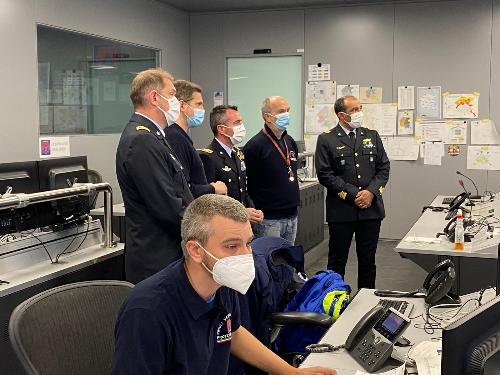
(282, 120)
(197, 119)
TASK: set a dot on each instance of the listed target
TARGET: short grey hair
(266, 106)
(196, 223)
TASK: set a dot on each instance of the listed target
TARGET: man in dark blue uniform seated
(191, 116)
(186, 319)
(153, 186)
(352, 164)
(224, 161)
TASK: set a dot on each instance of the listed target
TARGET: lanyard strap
(286, 158)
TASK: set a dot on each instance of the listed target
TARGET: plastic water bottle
(459, 231)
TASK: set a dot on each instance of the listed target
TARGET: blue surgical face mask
(282, 120)
(197, 119)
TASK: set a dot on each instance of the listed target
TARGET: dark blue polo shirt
(165, 327)
(190, 160)
(268, 183)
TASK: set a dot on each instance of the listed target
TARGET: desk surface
(119, 208)
(430, 223)
(338, 333)
(25, 277)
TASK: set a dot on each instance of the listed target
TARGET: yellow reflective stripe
(328, 300)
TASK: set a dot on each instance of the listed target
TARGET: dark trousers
(367, 232)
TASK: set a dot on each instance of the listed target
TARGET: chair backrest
(68, 329)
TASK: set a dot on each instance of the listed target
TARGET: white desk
(480, 254)
(338, 333)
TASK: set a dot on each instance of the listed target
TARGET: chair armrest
(298, 317)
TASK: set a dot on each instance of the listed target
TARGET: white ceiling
(240, 5)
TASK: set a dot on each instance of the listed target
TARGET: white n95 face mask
(174, 109)
(356, 120)
(236, 272)
(239, 133)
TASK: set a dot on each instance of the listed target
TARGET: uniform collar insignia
(142, 127)
(226, 168)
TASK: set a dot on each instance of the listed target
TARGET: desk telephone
(372, 340)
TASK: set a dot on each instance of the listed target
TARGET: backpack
(326, 293)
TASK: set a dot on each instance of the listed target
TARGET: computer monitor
(62, 173)
(18, 178)
(471, 345)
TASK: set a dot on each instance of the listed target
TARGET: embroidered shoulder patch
(142, 127)
(342, 195)
(207, 150)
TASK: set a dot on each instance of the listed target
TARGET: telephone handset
(371, 341)
(449, 230)
(457, 201)
(439, 282)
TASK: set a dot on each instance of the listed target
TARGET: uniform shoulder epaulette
(207, 150)
(142, 127)
(327, 131)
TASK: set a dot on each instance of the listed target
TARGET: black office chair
(68, 329)
(94, 178)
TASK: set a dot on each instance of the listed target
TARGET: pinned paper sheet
(345, 90)
(320, 117)
(483, 157)
(401, 148)
(461, 106)
(319, 92)
(456, 132)
(319, 72)
(406, 97)
(483, 132)
(381, 117)
(405, 122)
(370, 94)
(429, 102)
(433, 153)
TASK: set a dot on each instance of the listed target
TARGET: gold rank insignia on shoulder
(207, 150)
(142, 127)
(239, 154)
(381, 189)
(340, 147)
(327, 131)
(342, 195)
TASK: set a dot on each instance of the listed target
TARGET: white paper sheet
(429, 102)
(218, 98)
(319, 92)
(50, 147)
(319, 118)
(396, 371)
(370, 94)
(401, 148)
(484, 132)
(381, 117)
(431, 131)
(433, 153)
(310, 142)
(406, 97)
(461, 105)
(456, 132)
(405, 122)
(483, 157)
(319, 73)
(344, 90)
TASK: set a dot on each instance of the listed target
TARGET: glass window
(84, 81)
(251, 79)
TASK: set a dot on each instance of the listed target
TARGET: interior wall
(143, 22)
(451, 44)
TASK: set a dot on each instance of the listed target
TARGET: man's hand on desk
(315, 371)
(364, 199)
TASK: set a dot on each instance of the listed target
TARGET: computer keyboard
(403, 307)
(448, 200)
(451, 214)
